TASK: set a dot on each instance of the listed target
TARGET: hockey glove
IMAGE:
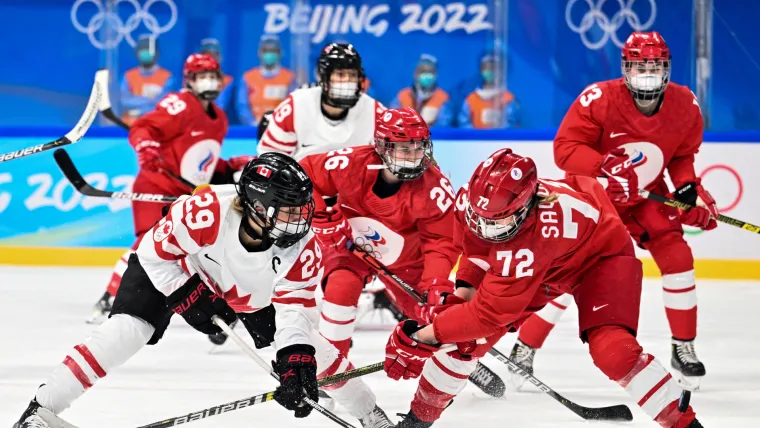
(439, 295)
(622, 181)
(149, 155)
(197, 304)
(331, 229)
(404, 356)
(297, 369)
(705, 212)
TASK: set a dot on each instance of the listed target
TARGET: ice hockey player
(182, 137)
(392, 198)
(630, 130)
(333, 115)
(249, 244)
(534, 240)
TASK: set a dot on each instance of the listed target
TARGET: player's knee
(614, 350)
(671, 253)
(343, 282)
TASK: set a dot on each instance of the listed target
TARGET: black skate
(101, 310)
(684, 360)
(221, 337)
(410, 420)
(36, 416)
(522, 355)
(376, 419)
(695, 424)
(382, 301)
(488, 381)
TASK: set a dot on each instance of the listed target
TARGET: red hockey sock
(537, 327)
(429, 402)
(339, 308)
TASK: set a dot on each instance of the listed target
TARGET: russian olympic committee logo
(121, 29)
(609, 26)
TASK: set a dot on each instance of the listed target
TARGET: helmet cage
(395, 156)
(498, 229)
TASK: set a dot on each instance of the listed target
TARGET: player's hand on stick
(297, 368)
(149, 155)
(622, 181)
(404, 356)
(331, 229)
(196, 303)
(705, 212)
(439, 296)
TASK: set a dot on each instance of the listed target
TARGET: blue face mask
(487, 75)
(426, 80)
(145, 57)
(270, 58)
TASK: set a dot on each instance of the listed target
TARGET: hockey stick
(99, 87)
(72, 174)
(618, 412)
(495, 387)
(263, 364)
(684, 206)
(258, 399)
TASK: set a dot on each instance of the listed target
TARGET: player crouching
(533, 241)
(248, 243)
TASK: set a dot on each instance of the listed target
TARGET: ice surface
(43, 312)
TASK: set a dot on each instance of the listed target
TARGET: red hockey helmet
(500, 195)
(402, 139)
(206, 88)
(646, 65)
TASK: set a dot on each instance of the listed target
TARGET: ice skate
(522, 355)
(36, 416)
(684, 360)
(487, 381)
(376, 419)
(410, 420)
(102, 309)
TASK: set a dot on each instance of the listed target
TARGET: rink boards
(45, 222)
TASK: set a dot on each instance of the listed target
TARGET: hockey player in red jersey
(180, 140)
(333, 115)
(630, 130)
(235, 251)
(527, 241)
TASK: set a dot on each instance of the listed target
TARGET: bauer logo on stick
(163, 231)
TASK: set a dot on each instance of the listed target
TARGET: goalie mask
(646, 65)
(402, 139)
(277, 194)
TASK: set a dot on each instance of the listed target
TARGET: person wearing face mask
(144, 85)
(425, 96)
(262, 88)
(214, 48)
(491, 105)
(181, 138)
(334, 115)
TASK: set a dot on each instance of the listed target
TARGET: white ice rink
(42, 318)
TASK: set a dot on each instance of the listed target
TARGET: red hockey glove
(238, 162)
(439, 296)
(149, 155)
(622, 181)
(404, 356)
(705, 212)
(331, 229)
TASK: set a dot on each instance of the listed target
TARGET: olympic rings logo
(121, 29)
(728, 207)
(609, 26)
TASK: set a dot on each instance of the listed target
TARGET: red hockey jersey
(559, 242)
(412, 227)
(605, 117)
(191, 141)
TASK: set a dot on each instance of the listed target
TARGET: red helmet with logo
(402, 139)
(646, 65)
(500, 195)
(207, 89)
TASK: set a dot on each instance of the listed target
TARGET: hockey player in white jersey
(249, 244)
(333, 115)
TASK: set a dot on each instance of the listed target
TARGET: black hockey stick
(72, 174)
(482, 377)
(684, 206)
(618, 412)
(258, 399)
(99, 88)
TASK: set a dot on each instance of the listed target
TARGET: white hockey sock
(109, 346)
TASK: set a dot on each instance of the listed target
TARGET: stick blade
(619, 412)
(66, 165)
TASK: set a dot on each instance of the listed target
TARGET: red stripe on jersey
(306, 303)
(284, 292)
(679, 290)
(77, 372)
(447, 370)
(654, 389)
(563, 307)
(85, 352)
(269, 135)
(332, 321)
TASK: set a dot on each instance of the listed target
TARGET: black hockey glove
(297, 368)
(197, 304)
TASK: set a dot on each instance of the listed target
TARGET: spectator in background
(491, 105)
(425, 96)
(143, 86)
(214, 48)
(262, 88)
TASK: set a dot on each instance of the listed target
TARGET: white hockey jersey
(200, 235)
(298, 128)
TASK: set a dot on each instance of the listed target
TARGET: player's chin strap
(266, 241)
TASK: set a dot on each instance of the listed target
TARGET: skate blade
(690, 383)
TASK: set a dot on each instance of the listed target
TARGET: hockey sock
(443, 378)
(537, 327)
(339, 308)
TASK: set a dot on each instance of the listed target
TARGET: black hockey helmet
(340, 56)
(276, 193)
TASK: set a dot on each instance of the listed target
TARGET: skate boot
(382, 301)
(695, 424)
(101, 310)
(522, 355)
(376, 419)
(684, 360)
(36, 416)
(410, 420)
(221, 337)
(488, 381)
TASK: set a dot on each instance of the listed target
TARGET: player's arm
(577, 136)
(280, 135)
(326, 170)
(681, 166)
